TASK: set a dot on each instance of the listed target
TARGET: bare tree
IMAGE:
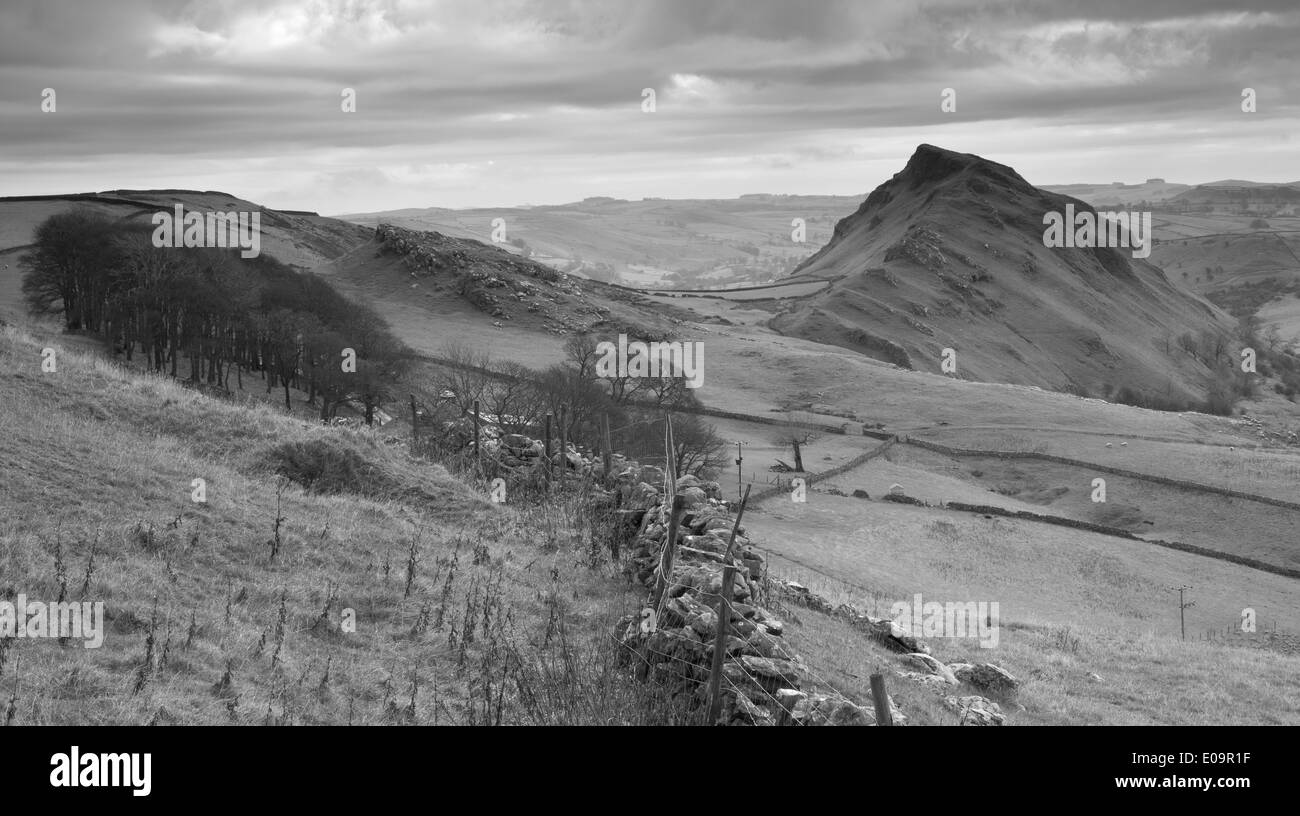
(580, 351)
(513, 399)
(795, 437)
(465, 374)
(697, 448)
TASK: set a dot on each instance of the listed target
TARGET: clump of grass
(147, 666)
(1066, 639)
(326, 465)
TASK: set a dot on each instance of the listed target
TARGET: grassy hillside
(452, 595)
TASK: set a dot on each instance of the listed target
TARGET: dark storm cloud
(462, 102)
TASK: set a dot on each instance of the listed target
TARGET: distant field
(1070, 602)
(1222, 523)
(1273, 472)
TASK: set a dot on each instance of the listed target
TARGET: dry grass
(465, 612)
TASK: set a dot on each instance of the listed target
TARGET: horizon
(859, 195)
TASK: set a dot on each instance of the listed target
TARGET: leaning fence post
(478, 438)
(883, 715)
(736, 527)
(608, 447)
(720, 644)
(670, 545)
(547, 451)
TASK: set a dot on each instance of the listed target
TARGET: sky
(498, 103)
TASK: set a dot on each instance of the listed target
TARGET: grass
(463, 612)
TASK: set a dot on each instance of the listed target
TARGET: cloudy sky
(465, 103)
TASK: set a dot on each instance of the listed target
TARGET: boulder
(986, 676)
(788, 672)
(931, 665)
(693, 497)
(686, 481)
(643, 497)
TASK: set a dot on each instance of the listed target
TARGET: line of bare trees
(211, 312)
(517, 399)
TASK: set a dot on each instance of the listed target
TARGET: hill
(1243, 198)
(1118, 194)
(949, 253)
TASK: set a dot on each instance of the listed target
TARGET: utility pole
(739, 459)
(1182, 607)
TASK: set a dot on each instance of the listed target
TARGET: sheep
(1108, 445)
(1123, 444)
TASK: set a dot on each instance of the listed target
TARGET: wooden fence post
(883, 715)
(415, 424)
(720, 644)
(564, 441)
(735, 528)
(670, 546)
(608, 448)
(547, 449)
(478, 439)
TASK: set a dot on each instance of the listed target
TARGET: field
(1071, 603)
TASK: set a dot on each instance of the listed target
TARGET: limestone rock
(931, 665)
(986, 676)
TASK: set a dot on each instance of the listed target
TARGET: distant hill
(1119, 194)
(652, 243)
(949, 253)
(299, 239)
(1244, 197)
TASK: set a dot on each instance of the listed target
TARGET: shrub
(326, 466)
